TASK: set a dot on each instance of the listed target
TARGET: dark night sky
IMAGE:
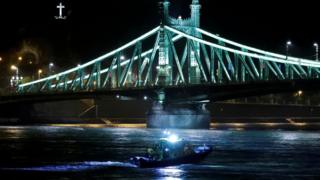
(96, 26)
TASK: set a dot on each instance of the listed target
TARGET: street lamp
(15, 68)
(316, 46)
(51, 65)
(20, 58)
(288, 44)
(0, 59)
(39, 73)
(15, 79)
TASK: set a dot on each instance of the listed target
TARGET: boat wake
(82, 166)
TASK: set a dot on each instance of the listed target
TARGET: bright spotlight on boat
(173, 138)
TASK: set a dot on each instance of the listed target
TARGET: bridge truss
(219, 60)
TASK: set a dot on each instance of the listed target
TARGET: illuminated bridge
(179, 56)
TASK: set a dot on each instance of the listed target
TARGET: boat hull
(197, 156)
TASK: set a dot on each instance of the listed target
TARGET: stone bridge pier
(190, 116)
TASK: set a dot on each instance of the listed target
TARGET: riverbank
(213, 126)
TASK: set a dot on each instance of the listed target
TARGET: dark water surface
(47, 152)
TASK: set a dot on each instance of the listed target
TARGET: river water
(48, 152)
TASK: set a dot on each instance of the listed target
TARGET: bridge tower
(164, 67)
(188, 26)
(164, 114)
(195, 13)
(195, 73)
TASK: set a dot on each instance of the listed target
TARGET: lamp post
(51, 65)
(39, 73)
(286, 66)
(15, 68)
(288, 44)
(15, 79)
(316, 46)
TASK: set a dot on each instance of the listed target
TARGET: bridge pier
(17, 113)
(193, 116)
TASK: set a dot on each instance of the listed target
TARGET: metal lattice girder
(278, 70)
(221, 63)
(246, 67)
(74, 83)
(89, 82)
(229, 62)
(279, 73)
(212, 65)
(98, 75)
(256, 51)
(45, 85)
(255, 69)
(217, 60)
(290, 60)
(296, 71)
(303, 71)
(110, 71)
(128, 68)
(193, 49)
(206, 56)
(272, 70)
(101, 58)
(236, 65)
(153, 55)
(183, 61)
(139, 68)
(176, 58)
(262, 69)
(189, 60)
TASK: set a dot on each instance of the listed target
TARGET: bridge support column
(194, 116)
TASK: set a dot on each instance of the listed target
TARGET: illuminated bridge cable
(295, 61)
(266, 53)
(103, 71)
(132, 43)
(246, 57)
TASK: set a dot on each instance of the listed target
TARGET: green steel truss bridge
(178, 53)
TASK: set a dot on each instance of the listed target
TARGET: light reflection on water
(76, 167)
(289, 136)
(171, 172)
(102, 153)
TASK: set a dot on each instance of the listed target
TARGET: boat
(196, 155)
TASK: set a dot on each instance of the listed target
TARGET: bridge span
(183, 64)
